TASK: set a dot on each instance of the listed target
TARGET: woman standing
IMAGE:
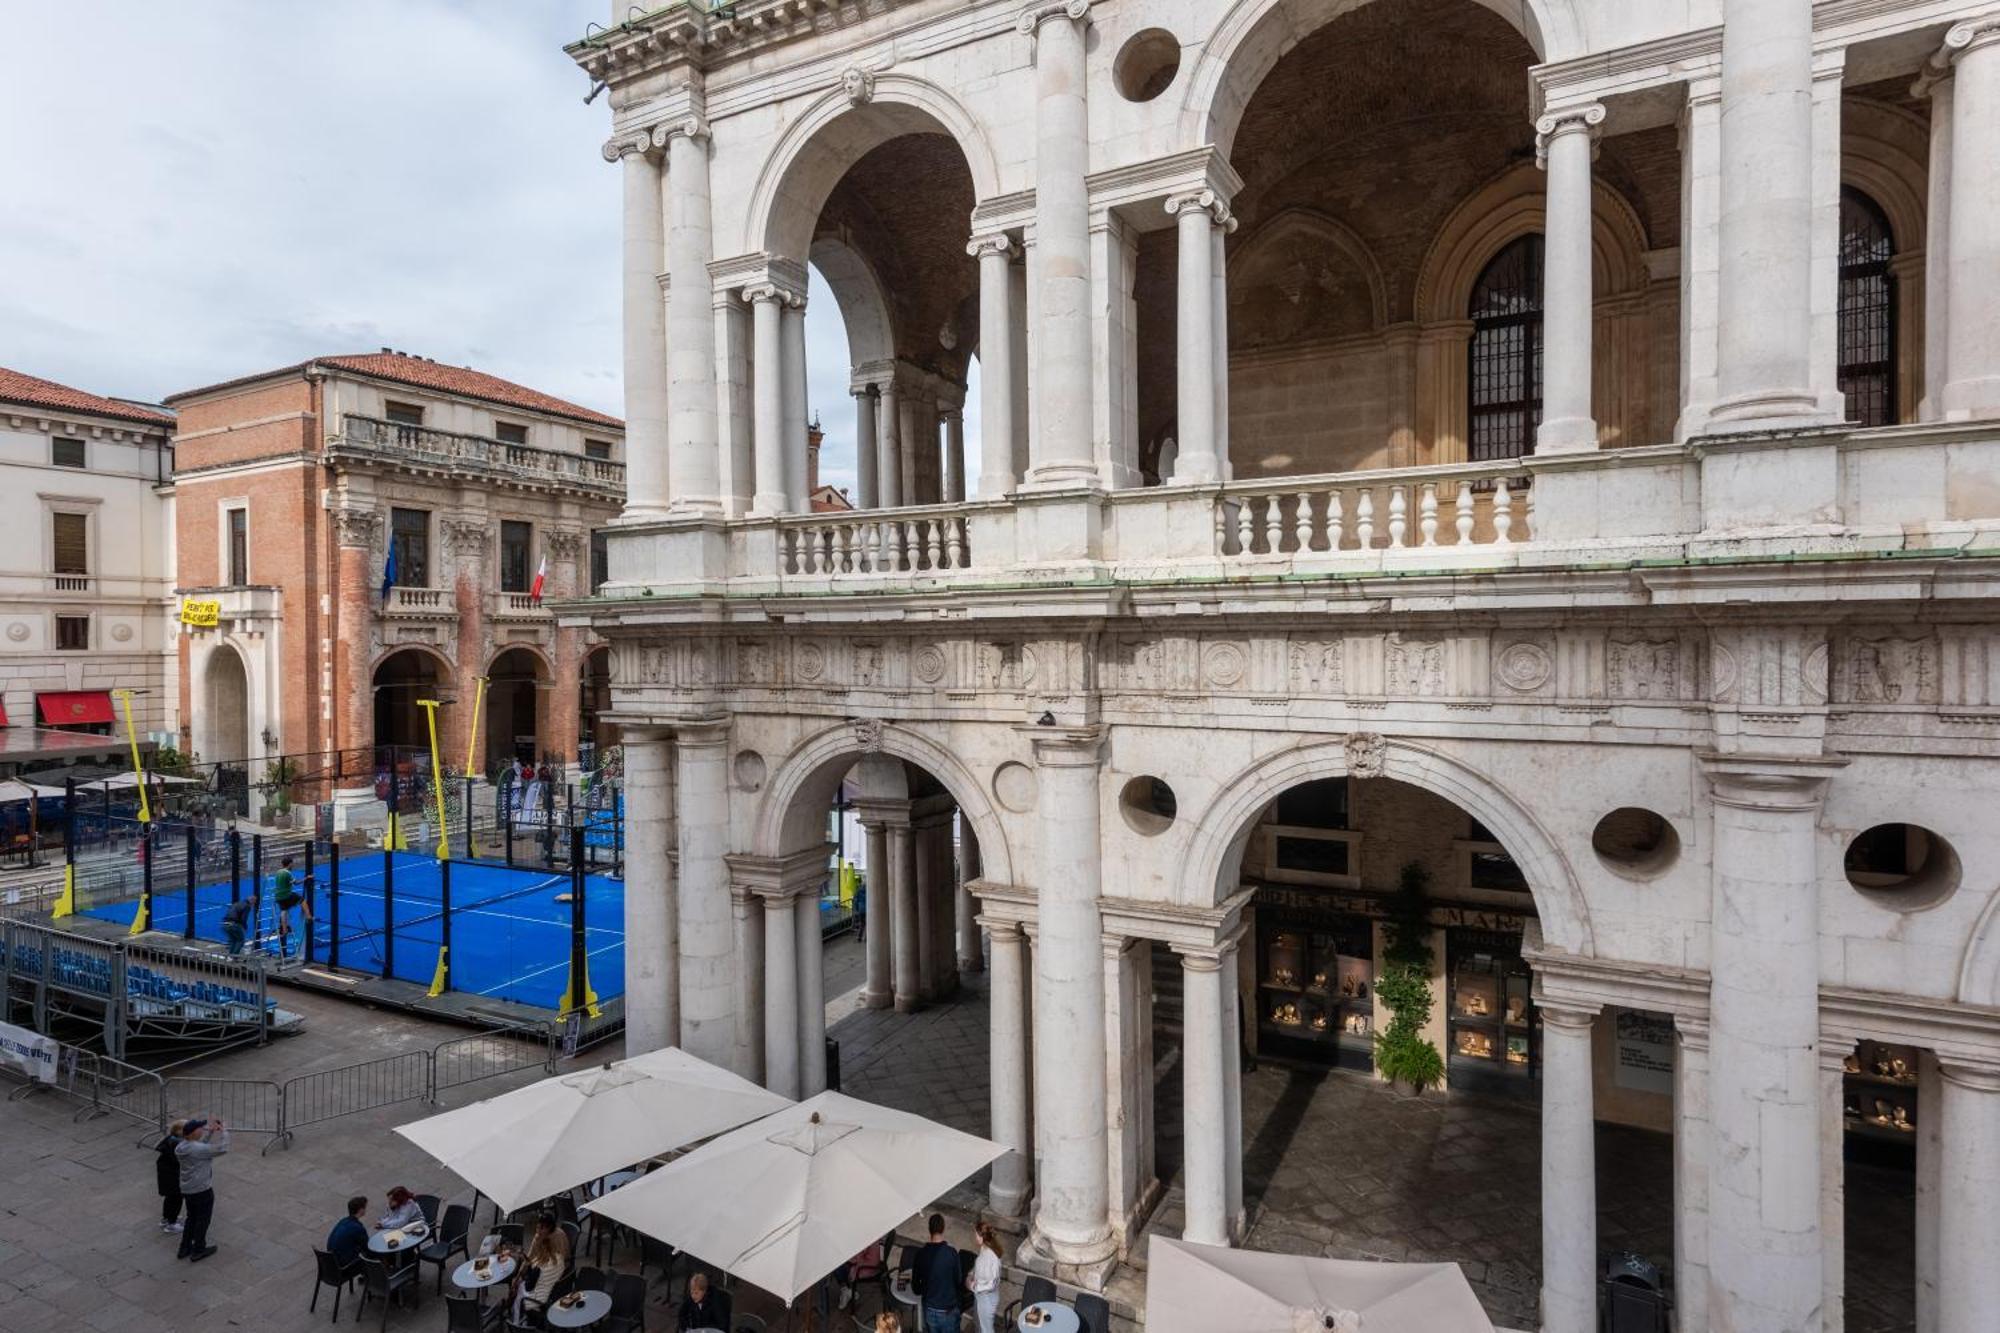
(167, 1177)
(985, 1280)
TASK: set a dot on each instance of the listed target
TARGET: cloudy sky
(211, 188)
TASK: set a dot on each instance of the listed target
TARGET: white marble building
(1570, 428)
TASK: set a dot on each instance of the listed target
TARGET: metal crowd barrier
(246, 1105)
(485, 1055)
(104, 1086)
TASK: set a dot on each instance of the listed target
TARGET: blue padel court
(509, 928)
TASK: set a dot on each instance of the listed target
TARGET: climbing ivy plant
(1402, 1053)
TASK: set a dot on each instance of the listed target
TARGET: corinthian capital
(1033, 16)
(356, 527)
(1583, 118)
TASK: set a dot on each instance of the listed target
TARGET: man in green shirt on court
(287, 896)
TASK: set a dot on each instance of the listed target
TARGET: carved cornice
(1037, 14)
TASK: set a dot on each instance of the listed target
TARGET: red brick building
(294, 485)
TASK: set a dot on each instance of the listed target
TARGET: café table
(408, 1239)
(590, 1307)
(1060, 1319)
(899, 1287)
(468, 1278)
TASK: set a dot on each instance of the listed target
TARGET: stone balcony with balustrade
(1816, 495)
(477, 458)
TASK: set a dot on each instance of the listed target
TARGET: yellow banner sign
(201, 614)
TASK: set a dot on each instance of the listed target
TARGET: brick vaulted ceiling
(906, 208)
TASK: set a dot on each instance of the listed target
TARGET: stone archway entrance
(400, 681)
(514, 707)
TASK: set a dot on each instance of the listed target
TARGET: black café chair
(450, 1240)
(966, 1259)
(330, 1275)
(591, 1279)
(628, 1305)
(513, 1233)
(428, 1205)
(1093, 1313)
(656, 1254)
(573, 1234)
(464, 1314)
(1034, 1290)
(381, 1282)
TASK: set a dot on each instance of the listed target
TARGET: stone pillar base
(875, 999)
(1085, 1270)
(909, 1004)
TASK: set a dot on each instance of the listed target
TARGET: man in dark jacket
(938, 1279)
(348, 1240)
(167, 1178)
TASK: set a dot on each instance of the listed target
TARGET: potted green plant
(279, 775)
(1402, 1053)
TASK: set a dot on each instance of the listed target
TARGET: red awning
(3, 712)
(75, 708)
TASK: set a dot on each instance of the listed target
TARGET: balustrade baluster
(1528, 512)
(1222, 527)
(1464, 520)
(1302, 522)
(871, 547)
(1399, 515)
(809, 540)
(1274, 525)
(1364, 517)
(1503, 512)
(954, 545)
(1335, 520)
(1427, 514)
(1246, 528)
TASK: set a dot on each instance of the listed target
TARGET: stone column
(767, 312)
(781, 996)
(1972, 350)
(996, 365)
(1701, 177)
(652, 909)
(1071, 1213)
(1008, 1063)
(708, 1021)
(1204, 1111)
(1569, 1173)
(1232, 1087)
(878, 992)
(867, 492)
(911, 444)
(1128, 1079)
(1063, 357)
(735, 435)
(746, 914)
(1691, 1135)
(1564, 143)
(889, 448)
(929, 965)
(1936, 85)
(954, 455)
(1765, 1267)
(1764, 369)
(970, 959)
(1833, 1184)
(694, 470)
(562, 719)
(1218, 310)
(793, 336)
(645, 330)
(1930, 1185)
(903, 891)
(1198, 216)
(812, 992)
(1969, 1191)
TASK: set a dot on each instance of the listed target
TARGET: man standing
(202, 1142)
(938, 1279)
(288, 898)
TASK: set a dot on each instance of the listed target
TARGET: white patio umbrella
(1200, 1288)
(124, 781)
(526, 1145)
(785, 1201)
(13, 789)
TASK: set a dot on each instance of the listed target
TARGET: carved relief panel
(1886, 667)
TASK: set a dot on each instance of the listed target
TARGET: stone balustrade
(516, 606)
(423, 603)
(373, 439)
(888, 542)
(1477, 505)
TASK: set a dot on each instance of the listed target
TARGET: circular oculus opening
(1146, 65)
(1904, 867)
(1148, 805)
(1635, 841)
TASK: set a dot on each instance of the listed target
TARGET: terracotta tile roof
(421, 373)
(830, 500)
(32, 391)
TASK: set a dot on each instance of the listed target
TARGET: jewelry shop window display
(1316, 988)
(1495, 1042)
(1879, 1094)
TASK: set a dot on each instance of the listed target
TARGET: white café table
(590, 1307)
(1061, 1319)
(467, 1277)
(411, 1238)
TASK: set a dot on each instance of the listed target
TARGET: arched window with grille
(1505, 383)
(1867, 311)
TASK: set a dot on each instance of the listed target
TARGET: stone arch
(793, 810)
(1253, 35)
(1979, 972)
(444, 666)
(1888, 172)
(544, 666)
(857, 290)
(1296, 225)
(833, 133)
(228, 704)
(1215, 843)
(1506, 208)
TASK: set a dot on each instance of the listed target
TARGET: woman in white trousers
(985, 1281)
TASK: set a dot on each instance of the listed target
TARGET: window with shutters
(411, 530)
(73, 633)
(515, 538)
(67, 451)
(1867, 371)
(71, 555)
(1505, 382)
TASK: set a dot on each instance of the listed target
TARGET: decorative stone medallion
(810, 661)
(122, 633)
(1721, 673)
(928, 664)
(18, 631)
(1224, 663)
(1523, 667)
(1367, 755)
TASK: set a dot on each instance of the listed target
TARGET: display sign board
(29, 1052)
(1643, 1053)
(202, 613)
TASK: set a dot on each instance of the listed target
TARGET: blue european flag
(389, 568)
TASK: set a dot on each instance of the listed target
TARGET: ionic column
(1204, 1107)
(1765, 1265)
(1833, 1183)
(811, 993)
(1198, 216)
(1063, 358)
(928, 886)
(996, 365)
(911, 444)
(708, 1019)
(877, 992)
(694, 470)
(1969, 1191)
(1691, 1135)
(792, 330)
(1071, 1213)
(1218, 310)
(746, 913)
(645, 329)
(1564, 143)
(1764, 371)
(781, 996)
(867, 494)
(1972, 342)
(903, 890)
(954, 455)
(652, 924)
(970, 959)
(1232, 1088)
(1569, 1173)
(1936, 85)
(768, 389)
(889, 448)
(1008, 1060)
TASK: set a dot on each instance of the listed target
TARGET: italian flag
(541, 575)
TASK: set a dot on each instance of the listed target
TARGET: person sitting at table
(403, 1210)
(702, 1308)
(348, 1240)
(547, 1262)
